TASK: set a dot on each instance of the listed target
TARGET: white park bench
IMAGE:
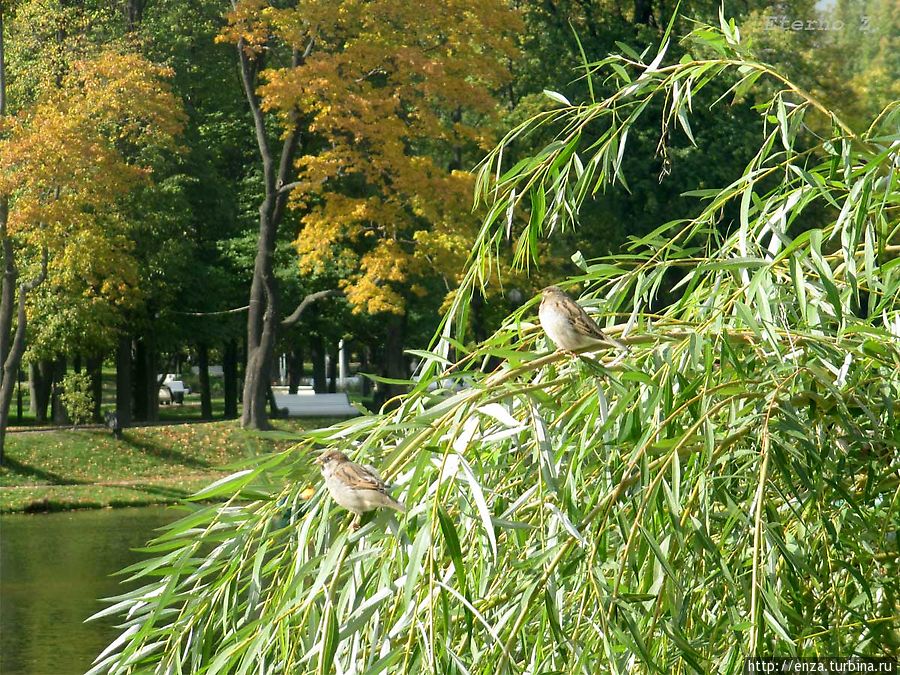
(172, 390)
(315, 405)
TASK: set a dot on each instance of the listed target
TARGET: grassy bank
(65, 469)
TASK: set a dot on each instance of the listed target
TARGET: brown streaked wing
(584, 322)
(357, 477)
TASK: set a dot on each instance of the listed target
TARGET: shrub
(77, 397)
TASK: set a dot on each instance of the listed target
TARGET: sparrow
(355, 487)
(568, 325)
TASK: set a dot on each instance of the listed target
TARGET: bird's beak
(318, 460)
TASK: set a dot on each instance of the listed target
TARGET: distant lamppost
(19, 397)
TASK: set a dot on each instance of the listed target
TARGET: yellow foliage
(62, 160)
(248, 21)
(68, 159)
(394, 90)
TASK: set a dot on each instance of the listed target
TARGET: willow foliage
(728, 488)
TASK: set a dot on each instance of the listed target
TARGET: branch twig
(306, 302)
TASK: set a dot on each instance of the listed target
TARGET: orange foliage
(393, 91)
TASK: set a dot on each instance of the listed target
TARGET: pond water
(53, 569)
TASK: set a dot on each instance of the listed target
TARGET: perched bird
(568, 325)
(355, 487)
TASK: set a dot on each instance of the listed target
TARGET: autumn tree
(248, 29)
(398, 100)
(72, 150)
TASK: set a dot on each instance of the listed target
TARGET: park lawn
(66, 469)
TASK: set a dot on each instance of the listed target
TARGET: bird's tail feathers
(618, 345)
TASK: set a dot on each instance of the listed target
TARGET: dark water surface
(53, 568)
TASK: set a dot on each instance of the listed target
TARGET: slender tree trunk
(94, 368)
(76, 363)
(139, 383)
(205, 394)
(8, 290)
(10, 367)
(123, 382)
(274, 412)
(643, 11)
(33, 376)
(262, 316)
(134, 13)
(477, 308)
(229, 372)
(12, 345)
(19, 396)
(364, 368)
(333, 364)
(295, 369)
(242, 371)
(394, 363)
(317, 350)
(60, 415)
(151, 355)
(395, 359)
(261, 326)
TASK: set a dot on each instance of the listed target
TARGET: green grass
(64, 469)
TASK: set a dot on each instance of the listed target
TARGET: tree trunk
(274, 412)
(146, 384)
(19, 397)
(295, 369)
(364, 368)
(262, 316)
(229, 371)
(12, 345)
(33, 377)
(8, 291)
(94, 368)
(123, 382)
(152, 384)
(139, 383)
(60, 415)
(317, 350)
(643, 12)
(134, 13)
(242, 368)
(10, 366)
(394, 360)
(42, 388)
(205, 394)
(477, 310)
(76, 363)
(333, 357)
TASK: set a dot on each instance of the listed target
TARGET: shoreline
(61, 469)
